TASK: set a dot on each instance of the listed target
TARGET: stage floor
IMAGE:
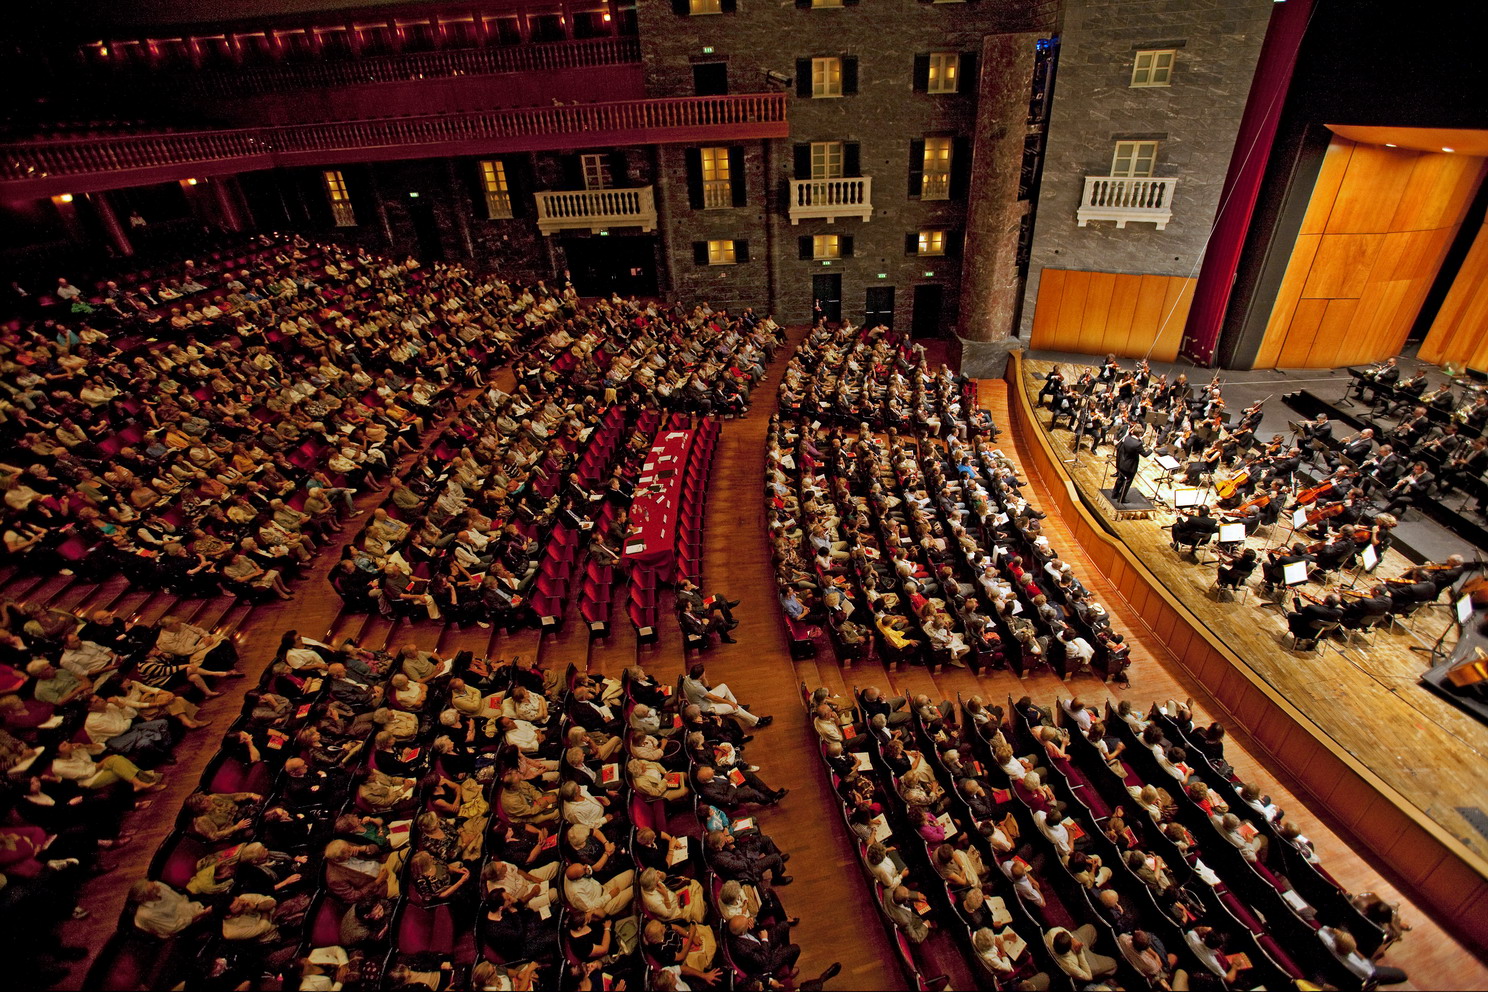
(1366, 696)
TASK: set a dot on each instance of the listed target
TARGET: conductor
(1129, 452)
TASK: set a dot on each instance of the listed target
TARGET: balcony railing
(545, 57)
(1125, 198)
(828, 199)
(596, 209)
(78, 165)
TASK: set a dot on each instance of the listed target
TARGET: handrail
(536, 126)
(543, 57)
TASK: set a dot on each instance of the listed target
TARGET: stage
(1366, 696)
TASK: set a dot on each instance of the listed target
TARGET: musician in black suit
(1319, 430)
(1358, 610)
(1384, 469)
(1411, 430)
(1355, 449)
(1194, 529)
(1129, 453)
(1053, 388)
(1273, 572)
(1409, 489)
(1305, 621)
(1380, 379)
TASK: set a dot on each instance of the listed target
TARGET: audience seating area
(1010, 827)
(895, 541)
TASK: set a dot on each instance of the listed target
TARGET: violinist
(1334, 554)
(1442, 576)
(1109, 369)
(1273, 571)
(1271, 503)
(1305, 622)
(1359, 608)
(1250, 419)
(1235, 571)
(1355, 448)
(1247, 513)
(1053, 388)
(1194, 529)
(1283, 468)
(1409, 489)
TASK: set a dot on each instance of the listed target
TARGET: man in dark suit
(1195, 529)
(1129, 452)
(1410, 489)
(1355, 449)
(1304, 623)
(717, 790)
(762, 952)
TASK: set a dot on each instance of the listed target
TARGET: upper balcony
(1127, 198)
(828, 199)
(44, 167)
(596, 209)
(558, 56)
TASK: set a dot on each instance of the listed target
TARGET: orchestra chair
(1320, 630)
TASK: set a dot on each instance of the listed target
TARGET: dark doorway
(826, 297)
(710, 78)
(605, 265)
(880, 307)
(426, 230)
(926, 320)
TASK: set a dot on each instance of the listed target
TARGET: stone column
(227, 205)
(111, 225)
(990, 283)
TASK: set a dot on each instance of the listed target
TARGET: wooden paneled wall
(1093, 313)
(1441, 873)
(1378, 224)
(1459, 333)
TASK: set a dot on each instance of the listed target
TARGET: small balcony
(828, 199)
(596, 209)
(1127, 198)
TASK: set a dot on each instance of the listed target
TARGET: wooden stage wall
(1378, 224)
(1402, 842)
(1094, 313)
(1459, 334)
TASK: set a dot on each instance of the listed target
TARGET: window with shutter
(932, 241)
(944, 74)
(718, 187)
(921, 73)
(826, 246)
(916, 167)
(741, 251)
(738, 192)
(849, 65)
(341, 210)
(804, 245)
(826, 78)
(705, 6)
(912, 243)
(496, 190)
(936, 168)
(721, 253)
(826, 160)
(596, 171)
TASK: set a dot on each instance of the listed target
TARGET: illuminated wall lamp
(65, 197)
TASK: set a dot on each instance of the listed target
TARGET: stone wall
(882, 118)
(1195, 119)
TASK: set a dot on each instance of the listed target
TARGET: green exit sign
(929, 274)
(883, 275)
(707, 49)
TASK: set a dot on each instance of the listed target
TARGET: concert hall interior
(725, 495)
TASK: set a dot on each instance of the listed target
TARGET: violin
(1308, 496)
(1324, 512)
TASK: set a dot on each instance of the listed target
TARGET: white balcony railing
(596, 209)
(828, 199)
(1127, 198)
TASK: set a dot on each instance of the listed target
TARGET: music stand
(1231, 534)
(1294, 574)
(1184, 496)
(1169, 465)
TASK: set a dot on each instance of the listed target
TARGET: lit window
(932, 242)
(826, 246)
(340, 200)
(944, 70)
(705, 6)
(826, 77)
(498, 194)
(937, 183)
(826, 160)
(718, 187)
(825, 3)
(1153, 68)
(721, 253)
(1133, 158)
(596, 171)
